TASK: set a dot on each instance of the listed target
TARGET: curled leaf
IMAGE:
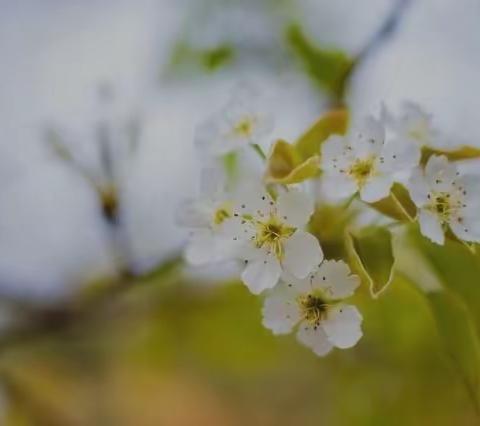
(333, 122)
(372, 257)
(464, 152)
(286, 166)
(398, 205)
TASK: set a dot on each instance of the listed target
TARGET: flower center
(419, 131)
(442, 204)
(244, 127)
(361, 170)
(223, 212)
(313, 308)
(271, 233)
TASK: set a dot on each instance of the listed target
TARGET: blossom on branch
(269, 237)
(363, 161)
(314, 305)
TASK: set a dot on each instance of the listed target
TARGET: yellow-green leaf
(398, 205)
(459, 337)
(333, 122)
(371, 254)
(327, 67)
(286, 166)
(464, 152)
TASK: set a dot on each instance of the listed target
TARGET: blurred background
(100, 322)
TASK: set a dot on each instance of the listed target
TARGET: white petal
(212, 182)
(343, 326)
(468, 229)
(400, 155)
(199, 250)
(302, 254)
(280, 311)
(295, 207)
(335, 279)
(337, 186)
(261, 274)
(315, 339)
(430, 226)
(368, 138)
(253, 200)
(194, 214)
(296, 285)
(376, 188)
(440, 173)
(418, 188)
(333, 152)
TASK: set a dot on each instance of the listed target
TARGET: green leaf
(461, 153)
(327, 67)
(371, 253)
(460, 339)
(333, 122)
(457, 267)
(398, 205)
(286, 166)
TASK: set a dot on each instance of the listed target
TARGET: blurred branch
(42, 322)
(332, 69)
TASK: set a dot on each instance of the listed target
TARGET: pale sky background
(56, 53)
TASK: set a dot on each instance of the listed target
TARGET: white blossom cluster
(264, 227)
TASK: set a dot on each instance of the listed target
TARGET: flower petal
(280, 311)
(333, 153)
(194, 214)
(253, 200)
(261, 274)
(315, 339)
(400, 155)
(376, 188)
(338, 185)
(440, 173)
(467, 230)
(343, 326)
(368, 138)
(199, 250)
(418, 188)
(335, 279)
(302, 254)
(295, 207)
(430, 226)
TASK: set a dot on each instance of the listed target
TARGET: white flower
(446, 199)
(363, 162)
(240, 123)
(315, 305)
(414, 124)
(269, 237)
(205, 217)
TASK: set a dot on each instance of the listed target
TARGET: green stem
(257, 148)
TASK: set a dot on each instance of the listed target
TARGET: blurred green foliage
(175, 350)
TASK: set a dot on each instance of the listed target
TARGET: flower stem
(257, 148)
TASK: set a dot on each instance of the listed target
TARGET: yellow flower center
(271, 235)
(223, 212)
(313, 308)
(244, 127)
(444, 205)
(419, 131)
(361, 170)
